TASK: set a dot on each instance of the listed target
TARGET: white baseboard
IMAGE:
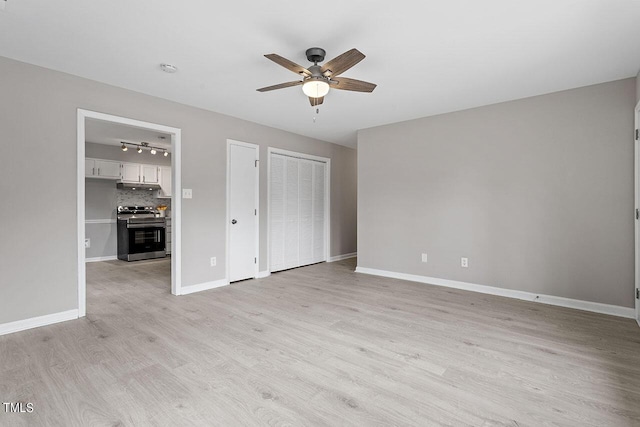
(203, 286)
(343, 256)
(263, 274)
(596, 307)
(101, 258)
(36, 322)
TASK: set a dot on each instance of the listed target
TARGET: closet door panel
(277, 212)
(291, 234)
(305, 205)
(319, 170)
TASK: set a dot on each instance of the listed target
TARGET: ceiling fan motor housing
(315, 54)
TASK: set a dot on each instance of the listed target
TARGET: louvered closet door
(291, 235)
(297, 212)
(305, 211)
(319, 195)
(276, 212)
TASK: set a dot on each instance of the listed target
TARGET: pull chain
(317, 109)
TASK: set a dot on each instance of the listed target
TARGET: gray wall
(537, 193)
(100, 203)
(38, 250)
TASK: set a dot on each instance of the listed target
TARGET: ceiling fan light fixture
(315, 88)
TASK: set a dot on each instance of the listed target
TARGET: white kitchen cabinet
(89, 167)
(165, 182)
(149, 174)
(108, 169)
(131, 172)
(97, 168)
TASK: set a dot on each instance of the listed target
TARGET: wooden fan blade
(280, 86)
(316, 101)
(289, 65)
(344, 83)
(342, 63)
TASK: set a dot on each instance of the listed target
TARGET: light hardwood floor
(319, 345)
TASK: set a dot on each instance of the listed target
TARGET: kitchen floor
(124, 280)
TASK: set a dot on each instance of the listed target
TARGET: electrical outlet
(424, 257)
(87, 242)
(213, 261)
(464, 262)
(187, 193)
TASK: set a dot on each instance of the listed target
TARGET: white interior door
(243, 192)
(637, 204)
(298, 211)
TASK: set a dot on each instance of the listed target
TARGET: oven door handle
(157, 225)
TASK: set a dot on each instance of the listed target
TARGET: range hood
(137, 186)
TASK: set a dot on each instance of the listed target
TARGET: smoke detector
(168, 68)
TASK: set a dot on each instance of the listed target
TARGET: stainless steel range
(141, 233)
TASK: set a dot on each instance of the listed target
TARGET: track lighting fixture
(142, 146)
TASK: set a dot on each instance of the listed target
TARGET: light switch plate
(187, 193)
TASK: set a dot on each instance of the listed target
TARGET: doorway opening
(128, 204)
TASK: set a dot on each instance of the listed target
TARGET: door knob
(233, 221)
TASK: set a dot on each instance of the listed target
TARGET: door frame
(327, 198)
(636, 191)
(256, 148)
(176, 200)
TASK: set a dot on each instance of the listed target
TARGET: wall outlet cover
(213, 261)
(464, 262)
(87, 242)
(424, 257)
(187, 193)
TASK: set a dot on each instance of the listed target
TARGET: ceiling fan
(317, 79)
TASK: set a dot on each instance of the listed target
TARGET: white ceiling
(101, 132)
(427, 57)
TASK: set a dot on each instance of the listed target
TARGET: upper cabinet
(97, 168)
(165, 182)
(134, 172)
(149, 174)
(131, 172)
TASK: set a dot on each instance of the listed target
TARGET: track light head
(139, 150)
(153, 151)
(124, 147)
(166, 153)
